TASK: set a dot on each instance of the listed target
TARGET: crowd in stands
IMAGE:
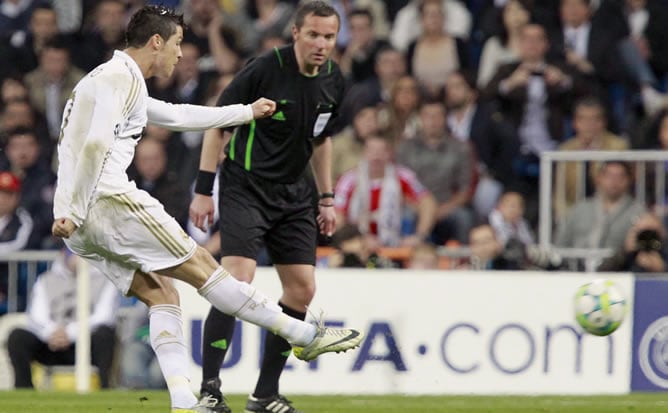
(449, 106)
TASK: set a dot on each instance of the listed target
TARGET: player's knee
(170, 294)
(165, 294)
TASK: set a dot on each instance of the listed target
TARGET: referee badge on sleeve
(320, 123)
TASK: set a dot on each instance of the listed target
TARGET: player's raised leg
(244, 301)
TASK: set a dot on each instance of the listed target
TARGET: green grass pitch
(117, 401)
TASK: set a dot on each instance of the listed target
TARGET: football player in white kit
(125, 232)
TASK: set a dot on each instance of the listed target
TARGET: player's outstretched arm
(263, 107)
(185, 117)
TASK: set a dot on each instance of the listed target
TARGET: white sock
(242, 300)
(166, 332)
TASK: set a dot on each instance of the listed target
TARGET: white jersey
(102, 123)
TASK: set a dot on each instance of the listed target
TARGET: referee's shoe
(273, 404)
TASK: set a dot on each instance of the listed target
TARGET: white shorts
(128, 232)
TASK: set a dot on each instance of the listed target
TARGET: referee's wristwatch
(326, 195)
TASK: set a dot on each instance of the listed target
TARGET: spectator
(358, 59)
(186, 85)
(226, 52)
(487, 251)
(508, 220)
(24, 159)
(19, 114)
(648, 31)
(423, 257)
(104, 34)
(50, 337)
(604, 219)
(202, 14)
(51, 84)
(398, 118)
(151, 174)
(591, 133)
(587, 45)
(504, 47)
(435, 53)
(640, 30)
(12, 89)
(139, 368)
(534, 94)
(445, 166)
(389, 67)
(15, 16)
(493, 138)
(353, 250)
(268, 17)
(457, 22)
(375, 196)
(348, 145)
(27, 47)
(536, 97)
(654, 135)
(182, 160)
(644, 250)
(15, 229)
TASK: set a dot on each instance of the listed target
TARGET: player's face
(169, 54)
(314, 41)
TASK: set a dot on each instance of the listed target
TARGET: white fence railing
(31, 260)
(548, 160)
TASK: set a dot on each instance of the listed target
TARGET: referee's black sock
(218, 332)
(276, 353)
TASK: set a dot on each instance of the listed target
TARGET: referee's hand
(201, 211)
(263, 107)
(327, 220)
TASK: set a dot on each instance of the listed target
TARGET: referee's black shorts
(253, 210)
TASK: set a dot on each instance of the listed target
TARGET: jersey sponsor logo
(279, 116)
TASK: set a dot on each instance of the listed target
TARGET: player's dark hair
(150, 20)
(317, 8)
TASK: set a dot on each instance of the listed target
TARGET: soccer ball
(600, 307)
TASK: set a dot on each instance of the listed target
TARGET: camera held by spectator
(644, 249)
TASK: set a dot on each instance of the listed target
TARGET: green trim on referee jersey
(249, 145)
(154, 227)
(233, 141)
(278, 54)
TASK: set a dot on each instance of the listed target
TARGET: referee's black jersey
(278, 148)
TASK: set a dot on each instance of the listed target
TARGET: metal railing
(31, 259)
(547, 188)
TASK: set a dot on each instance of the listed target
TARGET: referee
(265, 191)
